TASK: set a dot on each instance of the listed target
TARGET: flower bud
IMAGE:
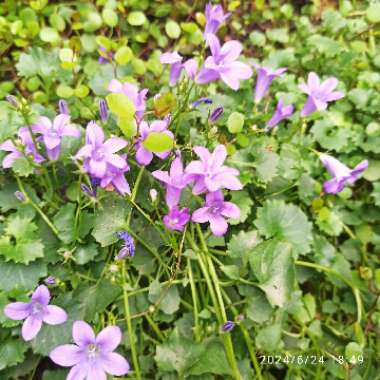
(12, 100)
(216, 114)
(227, 326)
(20, 196)
(153, 195)
(201, 101)
(50, 280)
(63, 107)
(103, 110)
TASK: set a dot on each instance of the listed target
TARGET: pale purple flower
(209, 173)
(320, 94)
(143, 156)
(91, 357)
(63, 107)
(228, 326)
(99, 155)
(282, 112)
(223, 64)
(176, 219)
(215, 16)
(128, 248)
(342, 175)
(176, 66)
(265, 77)
(216, 114)
(132, 92)
(214, 211)
(175, 180)
(103, 110)
(115, 177)
(35, 313)
(52, 133)
(14, 153)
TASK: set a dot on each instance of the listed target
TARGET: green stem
(36, 207)
(195, 301)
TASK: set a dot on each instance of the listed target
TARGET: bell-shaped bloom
(176, 66)
(52, 133)
(320, 94)
(143, 156)
(215, 16)
(282, 112)
(342, 175)
(91, 357)
(214, 211)
(175, 180)
(116, 178)
(15, 153)
(176, 219)
(35, 312)
(135, 96)
(99, 155)
(265, 77)
(223, 64)
(209, 173)
(128, 248)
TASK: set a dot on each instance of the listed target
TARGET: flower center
(37, 308)
(320, 95)
(98, 154)
(174, 221)
(216, 209)
(92, 351)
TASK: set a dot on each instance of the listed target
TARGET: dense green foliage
(299, 271)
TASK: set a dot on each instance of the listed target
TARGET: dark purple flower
(128, 248)
(216, 114)
(98, 155)
(12, 100)
(176, 219)
(201, 101)
(342, 175)
(15, 153)
(135, 96)
(35, 313)
(223, 64)
(320, 94)
(175, 181)
(143, 156)
(52, 133)
(91, 357)
(103, 110)
(215, 16)
(63, 107)
(50, 280)
(176, 66)
(282, 112)
(209, 173)
(214, 211)
(20, 196)
(265, 77)
(228, 326)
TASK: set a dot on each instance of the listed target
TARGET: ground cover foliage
(289, 289)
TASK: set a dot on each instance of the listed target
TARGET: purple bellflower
(214, 211)
(209, 173)
(52, 133)
(215, 16)
(320, 94)
(175, 180)
(15, 153)
(128, 248)
(115, 177)
(223, 64)
(342, 175)
(176, 66)
(176, 219)
(143, 156)
(35, 313)
(98, 155)
(282, 112)
(265, 77)
(91, 357)
(135, 96)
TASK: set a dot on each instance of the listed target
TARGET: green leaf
(258, 308)
(285, 222)
(64, 220)
(12, 352)
(231, 271)
(172, 29)
(123, 55)
(268, 339)
(272, 264)
(136, 18)
(85, 253)
(22, 167)
(372, 173)
(110, 17)
(49, 35)
(267, 163)
(244, 201)
(120, 104)
(158, 142)
(373, 13)
(109, 219)
(127, 125)
(242, 244)
(14, 275)
(235, 122)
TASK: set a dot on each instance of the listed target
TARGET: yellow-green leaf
(158, 142)
(121, 105)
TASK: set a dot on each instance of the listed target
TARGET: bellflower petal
(54, 315)
(30, 328)
(66, 355)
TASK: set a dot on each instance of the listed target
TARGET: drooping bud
(201, 101)
(227, 326)
(20, 196)
(128, 248)
(63, 107)
(103, 110)
(50, 280)
(216, 114)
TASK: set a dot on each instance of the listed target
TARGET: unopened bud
(20, 196)
(63, 107)
(216, 114)
(103, 110)
(12, 100)
(153, 195)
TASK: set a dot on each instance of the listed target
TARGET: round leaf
(136, 18)
(158, 142)
(121, 105)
